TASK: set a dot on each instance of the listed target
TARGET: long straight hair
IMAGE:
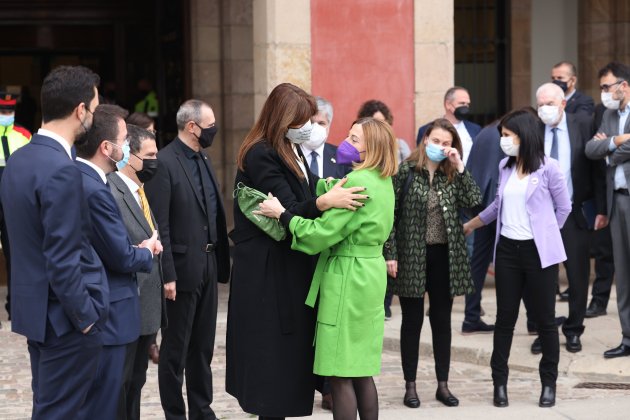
(529, 128)
(419, 155)
(286, 106)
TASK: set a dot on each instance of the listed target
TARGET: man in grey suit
(127, 188)
(611, 142)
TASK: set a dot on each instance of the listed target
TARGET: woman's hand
(270, 207)
(468, 229)
(452, 154)
(341, 198)
(392, 268)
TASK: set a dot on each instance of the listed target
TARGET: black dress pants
(187, 346)
(135, 376)
(481, 258)
(437, 286)
(604, 266)
(518, 273)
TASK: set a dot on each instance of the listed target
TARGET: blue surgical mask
(435, 152)
(125, 159)
(7, 120)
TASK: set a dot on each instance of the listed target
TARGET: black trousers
(518, 273)
(481, 258)
(188, 345)
(135, 376)
(601, 248)
(437, 286)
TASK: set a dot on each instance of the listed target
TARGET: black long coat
(270, 329)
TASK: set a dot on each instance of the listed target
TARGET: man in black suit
(564, 74)
(185, 198)
(565, 139)
(321, 156)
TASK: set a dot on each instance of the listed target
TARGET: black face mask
(563, 85)
(149, 168)
(461, 112)
(81, 139)
(207, 135)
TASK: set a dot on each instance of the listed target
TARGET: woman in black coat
(270, 330)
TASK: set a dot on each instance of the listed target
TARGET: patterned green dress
(407, 244)
(351, 278)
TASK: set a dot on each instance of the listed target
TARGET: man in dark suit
(564, 74)
(60, 292)
(611, 142)
(186, 200)
(128, 191)
(565, 139)
(456, 107)
(321, 156)
(103, 151)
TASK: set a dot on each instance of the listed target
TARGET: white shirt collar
(63, 142)
(319, 150)
(128, 181)
(98, 170)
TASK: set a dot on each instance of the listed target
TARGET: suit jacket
(483, 162)
(331, 168)
(120, 258)
(548, 205)
(580, 102)
(152, 305)
(472, 128)
(598, 149)
(588, 176)
(183, 221)
(56, 274)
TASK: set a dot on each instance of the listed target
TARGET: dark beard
(80, 139)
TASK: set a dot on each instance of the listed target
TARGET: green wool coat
(407, 241)
(351, 277)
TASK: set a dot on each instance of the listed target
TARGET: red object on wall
(362, 50)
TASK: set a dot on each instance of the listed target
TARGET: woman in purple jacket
(531, 205)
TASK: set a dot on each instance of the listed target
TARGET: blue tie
(554, 144)
(313, 165)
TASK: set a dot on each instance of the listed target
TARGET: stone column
(521, 53)
(282, 46)
(434, 57)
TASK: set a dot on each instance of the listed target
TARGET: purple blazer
(548, 205)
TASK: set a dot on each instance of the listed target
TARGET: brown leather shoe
(154, 353)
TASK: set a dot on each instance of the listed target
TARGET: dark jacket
(472, 128)
(580, 102)
(270, 330)
(483, 163)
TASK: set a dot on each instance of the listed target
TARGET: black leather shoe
(620, 351)
(573, 344)
(595, 309)
(500, 396)
(547, 396)
(411, 399)
(536, 346)
(478, 327)
(443, 395)
(564, 296)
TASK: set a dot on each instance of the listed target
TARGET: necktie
(313, 165)
(554, 144)
(144, 203)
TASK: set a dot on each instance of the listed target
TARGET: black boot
(500, 396)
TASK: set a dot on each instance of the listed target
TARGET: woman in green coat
(351, 273)
(427, 250)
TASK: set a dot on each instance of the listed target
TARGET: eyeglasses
(605, 87)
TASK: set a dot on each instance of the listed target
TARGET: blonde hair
(419, 155)
(381, 147)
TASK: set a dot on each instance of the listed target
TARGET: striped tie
(145, 207)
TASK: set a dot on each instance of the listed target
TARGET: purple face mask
(347, 154)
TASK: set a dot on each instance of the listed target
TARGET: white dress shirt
(564, 149)
(466, 140)
(515, 223)
(63, 142)
(320, 158)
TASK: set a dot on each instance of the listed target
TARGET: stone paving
(470, 382)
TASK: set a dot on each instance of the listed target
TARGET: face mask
(300, 135)
(81, 138)
(549, 114)
(149, 168)
(609, 102)
(508, 146)
(435, 152)
(125, 159)
(461, 112)
(7, 120)
(318, 137)
(347, 154)
(563, 85)
(206, 138)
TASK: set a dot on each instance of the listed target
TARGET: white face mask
(549, 114)
(300, 135)
(508, 146)
(609, 102)
(318, 137)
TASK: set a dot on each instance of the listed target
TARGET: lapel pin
(333, 160)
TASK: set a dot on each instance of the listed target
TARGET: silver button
(444, 208)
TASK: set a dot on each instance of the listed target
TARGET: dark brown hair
(371, 107)
(419, 155)
(140, 119)
(104, 127)
(286, 106)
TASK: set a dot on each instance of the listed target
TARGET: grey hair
(450, 93)
(189, 111)
(552, 88)
(323, 105)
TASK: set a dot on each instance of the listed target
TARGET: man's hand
(152, 244)
(169, 290)
(600, 136)
(601, 221)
